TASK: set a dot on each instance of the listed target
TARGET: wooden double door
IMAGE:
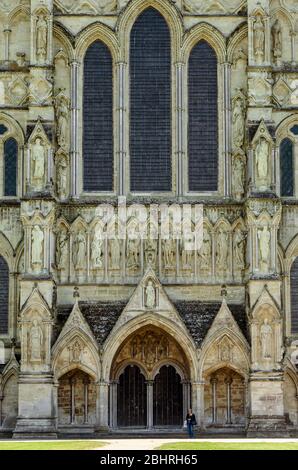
(142, 403)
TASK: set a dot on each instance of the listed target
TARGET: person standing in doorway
(191, 422)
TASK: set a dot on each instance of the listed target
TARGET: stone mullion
(74, 134)
(121, 127)
(229, 400)
(180, 128)
(150, 384)
(2, 167)
(7, 32)
(293, 46)
(227, 128)
(214, 400)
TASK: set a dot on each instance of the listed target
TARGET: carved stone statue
(115, 253)
(36, 341)
(238, 176)
(276, 40)
(38, 160)
(239, 249)
(41, 38)
(187, 252)
(62, 121)
(150, 295)
(96, 249)
(37, 240)
(169, 249)
(262, 154)
(205, 252)
(264, 247)
(151, 252)
(80, 251)
(62, 250)
(133, 248)
(238, 123)
(222, 250)
(62, 177)
(259, 38)
(266, 336)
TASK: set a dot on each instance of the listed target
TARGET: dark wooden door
(132, 398)
(167, 398)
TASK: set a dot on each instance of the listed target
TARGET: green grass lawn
(53, 445)
(230, 446)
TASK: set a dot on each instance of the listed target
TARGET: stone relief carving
(80, 251)
(62, 175)
(264, 238)
(212, 6)
(266, 337)
(206, 251)
(97, 249)
(62, 250)
(222, 250)
(150, 252)
(62, 115)
(114, 253)
(38, 157)
(37, 247)
(238, 119)
(239, 249)
(100, 7)
(259, 38)
(133, 253)
(239, 166)
(169, 252)
(262, 156)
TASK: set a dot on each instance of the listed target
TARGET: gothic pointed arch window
(10, 167)
(286, 168)
(4, 292)
(202, 119)
(150, 104)
(98, 148)
(294, 296)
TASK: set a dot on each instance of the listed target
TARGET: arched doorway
(225, 398)
(167, 398)
(132, 398)
(76, 399)
(150, 383)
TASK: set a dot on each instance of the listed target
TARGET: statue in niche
(96, 249)
(36, 341)
(62, 250)
(187, 251)
(76, 352)
(169, 250)
(239, 248)
(37, 239)
(151, 251)
(38, 159)
(41, 38)
(276, 40)
(222, 250)
(259, 38)
(150, 295)
(62, 177)
(262, 154)
(115, 253)
(205, 252)
(80, 251)
(266, 336)
(133, 250)
(62, 120)
(238, 123)
(238, 176)
(264, 247)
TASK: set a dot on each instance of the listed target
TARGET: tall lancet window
(202, 119)
(294, 296)
(150, 104)
(4, 289)
(10, 167)
(98, 119)
(286, 168)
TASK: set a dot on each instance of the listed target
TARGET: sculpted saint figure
(115, 253)
(62, 120)
(133, 253)
(169, 248)
(80, 262)
(262, 154)
(238, 176)
(266, 339)
(36, 340)
(187, 252)
(41, 38)
(259, 37)
(62, 177)
(264, 247)
(239, 248)
(238, 123)
(37, 239)
(276, 40)
(38, 159)
(222, 249)
(96, 249)
(150, 295)
(62, 250)
(205, 252)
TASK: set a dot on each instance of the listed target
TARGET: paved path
(151, 444)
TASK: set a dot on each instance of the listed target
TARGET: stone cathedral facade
(112, 107)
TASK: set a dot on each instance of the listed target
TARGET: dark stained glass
(10, 167)
(294, 296)
(286, 168)
(4, 289)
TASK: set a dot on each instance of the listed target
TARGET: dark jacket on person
(191, 419)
